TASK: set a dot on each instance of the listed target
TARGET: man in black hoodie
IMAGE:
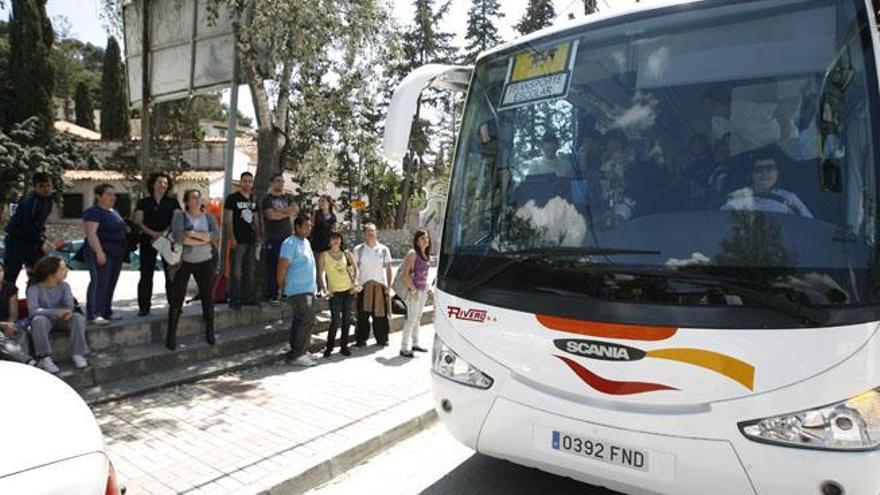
(26, 230)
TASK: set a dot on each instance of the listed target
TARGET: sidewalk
(272, 429)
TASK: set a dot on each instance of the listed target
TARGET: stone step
(131, 370)
(132, 330)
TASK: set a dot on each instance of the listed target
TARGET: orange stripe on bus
(607, 330)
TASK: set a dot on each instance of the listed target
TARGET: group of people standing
(304, 258)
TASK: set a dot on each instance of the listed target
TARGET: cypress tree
(539, 14)
(30, 67)
(114, 104)
(82, 102)
(481, 32)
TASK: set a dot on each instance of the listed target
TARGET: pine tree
(82, 102)
(30, 67)
(114, 104)
(481, 31)
(423, 43)
(539, 14)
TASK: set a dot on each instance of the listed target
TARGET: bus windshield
(716, 154)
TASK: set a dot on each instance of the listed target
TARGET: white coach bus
(659, 268)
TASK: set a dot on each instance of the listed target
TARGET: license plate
(600, 450)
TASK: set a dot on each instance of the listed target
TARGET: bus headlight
(853, 424)
(446, 363)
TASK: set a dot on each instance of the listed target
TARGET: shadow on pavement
(484, 475)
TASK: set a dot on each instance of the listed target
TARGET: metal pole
(145, 92)
(230, 159)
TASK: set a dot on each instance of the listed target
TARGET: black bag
(398, 306)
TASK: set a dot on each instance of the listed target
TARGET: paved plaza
(274, 426)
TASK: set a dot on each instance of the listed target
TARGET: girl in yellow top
(335, 279)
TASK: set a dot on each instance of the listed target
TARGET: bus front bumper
(638, 462)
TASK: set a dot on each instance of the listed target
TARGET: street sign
(190, 52)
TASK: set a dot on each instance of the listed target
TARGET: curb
(325, 471)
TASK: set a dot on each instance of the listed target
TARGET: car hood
(42, 420)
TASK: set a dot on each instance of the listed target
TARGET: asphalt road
(434, 463)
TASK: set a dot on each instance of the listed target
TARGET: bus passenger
(548, 162)
(763, 195)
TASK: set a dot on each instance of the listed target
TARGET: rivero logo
(477, 315)
(594, 349)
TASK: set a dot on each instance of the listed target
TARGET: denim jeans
(242, 276)
(340, 318)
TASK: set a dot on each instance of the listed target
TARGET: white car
(50, 443)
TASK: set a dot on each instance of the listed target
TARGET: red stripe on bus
(612, 387)
(607, 330)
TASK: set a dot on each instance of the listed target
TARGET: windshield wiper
(532, 254)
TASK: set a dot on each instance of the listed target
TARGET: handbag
(349, 269)
(398, 285)
(398, 306)
(170, 251)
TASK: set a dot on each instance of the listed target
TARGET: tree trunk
(270, 144)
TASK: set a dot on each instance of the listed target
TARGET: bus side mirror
(832, 178)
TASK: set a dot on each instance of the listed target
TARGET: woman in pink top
(415, 274)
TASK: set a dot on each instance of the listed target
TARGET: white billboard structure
(190, 52)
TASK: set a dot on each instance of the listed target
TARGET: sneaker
(274, 302)
(80, 361)
(100, 321)
(113, 318)
(305, 361)
(46, 364)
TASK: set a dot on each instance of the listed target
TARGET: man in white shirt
(549, 163)
(374, 300)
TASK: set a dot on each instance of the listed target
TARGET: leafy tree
(361, 169)
(32, 73)
(481, 32)
(243, 120)
(539, 14)
(179, 120)
(85, 112)
(23, 151)
(114, 104)
(283, 46)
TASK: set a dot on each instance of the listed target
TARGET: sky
(86, 25)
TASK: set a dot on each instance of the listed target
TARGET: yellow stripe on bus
(730, 367)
